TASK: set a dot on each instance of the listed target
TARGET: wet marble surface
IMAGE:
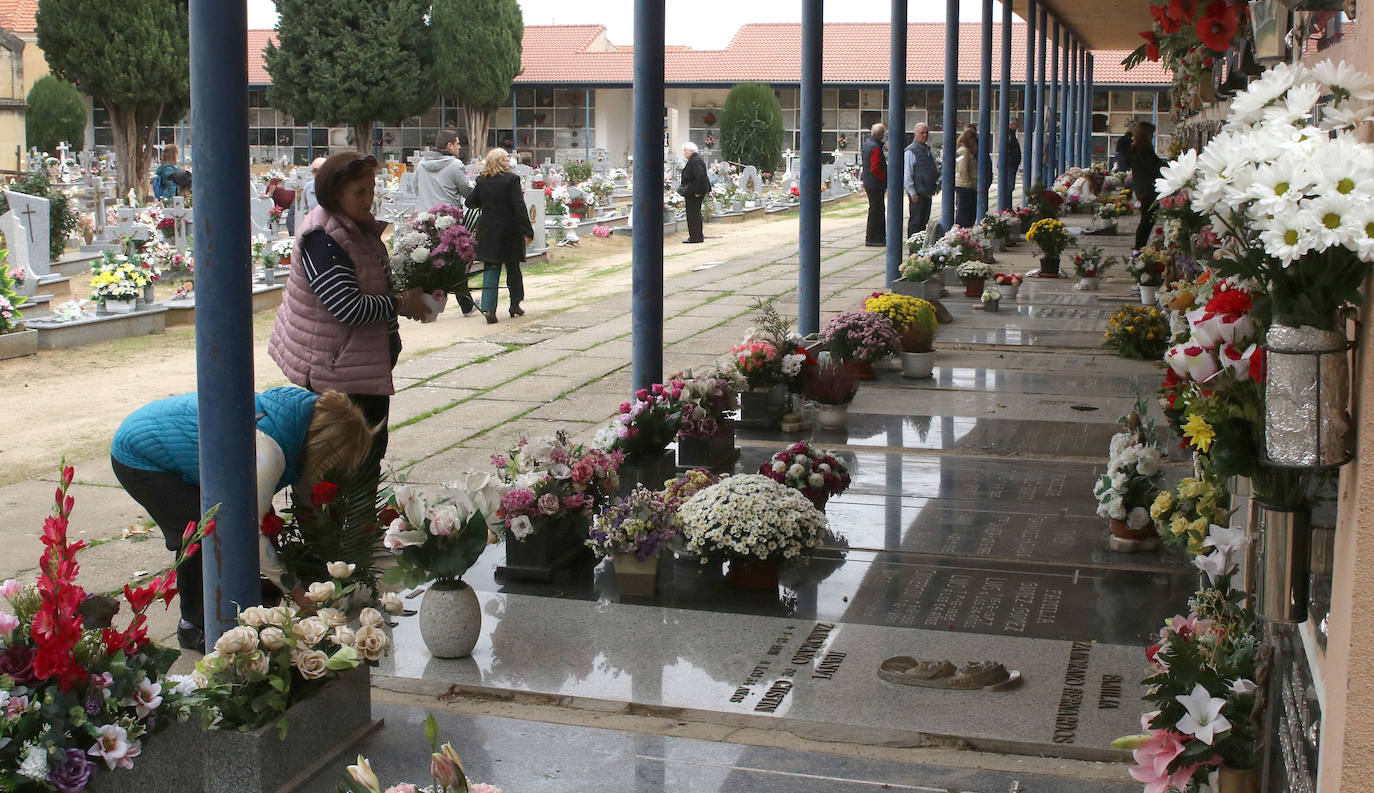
(1024, 337)
(1031, 382)
(797, 671)
(957, 433)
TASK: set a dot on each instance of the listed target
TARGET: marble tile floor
(525, 756)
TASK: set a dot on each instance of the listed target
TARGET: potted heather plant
(632, 531)
(832, 386)
(860, 337)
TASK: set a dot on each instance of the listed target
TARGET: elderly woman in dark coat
(503, 230)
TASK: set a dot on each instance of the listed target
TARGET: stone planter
(18, 343)
(450, 620)
(1049, 268)
(1306, 397)
(149, 297)
(753, 576)
(973, 287)
(650, 471)
(832, 417)
(1088, 284)
(761, 408)
(992, 305)
(1000, 245)
(171, 761)
(126, 306)
(917, 365)
(635, 578)
(1009, 291)
(909, 288)
(552, 546)
(715, 452)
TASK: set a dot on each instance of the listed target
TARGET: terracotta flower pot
(1125, 532)
(973, 287)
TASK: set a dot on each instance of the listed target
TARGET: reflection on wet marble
(1011, 381)
(804, 672)
(999, 437)
(1024, 337)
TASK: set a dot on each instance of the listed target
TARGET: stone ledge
(54, 335)
(18, 344)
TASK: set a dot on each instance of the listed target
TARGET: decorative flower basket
(1306, 397)
(552, 546)
(715, 452)
(761, 408)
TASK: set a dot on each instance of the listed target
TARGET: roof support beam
(950, 121)
(1006, 178)
(1052, 137)
(809, 232)
(1028, 124)
(896, 140)
(1038, 158)
(647, 241)
(985, 113)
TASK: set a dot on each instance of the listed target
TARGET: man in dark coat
(1123, 147)
(693, 187)
(920, 179)
(875, 184)
(1013, 152)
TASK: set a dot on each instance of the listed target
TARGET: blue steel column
(1005, 180)
(1076, 149)
(1071, 103)
(985, 114)
(1028, 120)
(647, 278)
(1052, 118)
(950, 118)
(896, 141)
(1088, 105)
(809, 233)
(1041, 112)
(224, 316)
(587, 127)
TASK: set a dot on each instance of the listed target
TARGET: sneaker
(191, 637)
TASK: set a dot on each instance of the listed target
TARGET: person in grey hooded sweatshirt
(441, 179)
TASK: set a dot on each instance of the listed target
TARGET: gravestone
(130, 231)
(17, 240)
(258, 215)
(749, 180)
(526, 175)
(534, 205)
(181, 218)
(600, 161)
(32, 213)
(406, 186)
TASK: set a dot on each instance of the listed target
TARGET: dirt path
(69, 402)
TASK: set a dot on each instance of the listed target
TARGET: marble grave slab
(966, 434)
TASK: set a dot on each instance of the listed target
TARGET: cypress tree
(751, 126)
(55, 114)
(476, 57)
(351, 63)
(132, 57)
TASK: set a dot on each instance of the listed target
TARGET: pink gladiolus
(8, 622)
(10, 588)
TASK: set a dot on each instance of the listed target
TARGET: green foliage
(476, 51)
(55, 114)
(751, 126)
(345, 530)
(8, 299)
(61, 219)
(577, 171)
(351, 62)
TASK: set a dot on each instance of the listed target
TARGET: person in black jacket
(1145, 166)
(693, 187)
(875, 184)
(1123, 145)
(1013, 152)
(503, 231)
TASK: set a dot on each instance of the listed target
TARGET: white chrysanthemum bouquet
(750, 517)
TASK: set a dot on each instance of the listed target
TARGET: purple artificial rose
(17, 662)
(73, 774)
(548, 504)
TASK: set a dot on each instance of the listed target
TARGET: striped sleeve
(332, 278)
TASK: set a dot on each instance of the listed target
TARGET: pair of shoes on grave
(986, 675)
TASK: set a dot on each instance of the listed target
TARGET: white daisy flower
(1178, 174)
(1297, 104)
(1344, 79)
(1338, 223)
(1286, 237)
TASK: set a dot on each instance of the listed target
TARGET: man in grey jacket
(440, 177)
(920, 179)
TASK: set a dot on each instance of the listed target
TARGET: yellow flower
(1179, 524)
(1198, 432)
(1190, 488)
(1164, 502)
(1198, 528)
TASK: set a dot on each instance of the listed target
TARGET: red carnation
(1231, 302)
(272, 524)
(324, 493)
(1151, 45)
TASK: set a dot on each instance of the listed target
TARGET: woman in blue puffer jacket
(301, 436)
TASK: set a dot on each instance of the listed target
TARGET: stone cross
(601, 158)
(32, 212)
(62, 151)
(180, 216)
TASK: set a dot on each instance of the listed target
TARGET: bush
(1140, 332)
(55, 114)
(577, 171)
(751, 127)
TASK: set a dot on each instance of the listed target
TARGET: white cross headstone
(534, 205)
(129, 230)
(749, 180)
(601, 160)
(258, 215)
(17, 240)
(181, 217)
(32, 212)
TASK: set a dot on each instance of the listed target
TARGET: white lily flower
(1203, 719)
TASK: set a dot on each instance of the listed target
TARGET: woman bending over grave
(503, 231)
(169, 178)
(302, 438)
(337, 327)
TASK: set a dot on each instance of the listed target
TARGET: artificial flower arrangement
(1148, 266)
(1183, 515)
(815, 473)
(599, 190)
(1190, 38)
(968, 245)
(549, 481)
(973, 271)
(759, 363)
(1288, 180)
(119, 276)
(991, 294)
(439, 541)
(1092, 263)
(556, 200)
(860, 336)
(445, 769)
(646, 426)
(831, 383)
(9, 299)
(168, 227)
(601, 231)
(998, 225)
(705, 397)
(750, 517)
(918, 268)
(335, 522)
(1139, 332)
(78, 696)
(1127, 490)
(1007, 279)
(432, 251)
(639, 525)
(771, 328)
(1051, 236)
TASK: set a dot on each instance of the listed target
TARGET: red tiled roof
(855, 53)
(17, 16)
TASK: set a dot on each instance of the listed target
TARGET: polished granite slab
(522, 755)
(1010, 381)
(813, 677)
(1025, 337)
(964, 434)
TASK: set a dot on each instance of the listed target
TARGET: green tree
(55, 114)
(476, 57)
(131, 56)
(61, 219)
(751, 126)
(351, 62)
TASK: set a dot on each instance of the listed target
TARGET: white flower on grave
(444, 221)
(146, 697)
(412, 504)
(258, 663)
(1148, 465)
(1215, 564)
(114, 747)
(606, 437)
(560, 471)
(521, 527)
(1247, 106)
(321, 592)
(1348, 114)
(35, 762)
(815, 480)
(1340, 76)
(342, 636)
(1116, 508)
(792, 364)
(182, 685)
(311, 630)
(272, 638)
(423, 217)
(1117, 480)
(1177, 175)
(392, 603)
(280, 616)
(419, 255)
(332, 617)
(443, 521)
(1203, 719)
(312, 664)
(241, 639)
(1243, 686)
(1137, 518)
(255, 616)
(371, 643)
(796, 471)
(399, 535)
(340, 570)
(370, 618)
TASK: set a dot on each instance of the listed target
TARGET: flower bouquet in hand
(441, 541)
(860, 336)
(639, 525)
(432, 251)
(750, 517)
(705, 397)
(815, 473)
(78, 695)
(550, 481)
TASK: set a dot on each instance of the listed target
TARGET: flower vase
(992, 305)
(753, 575)
(1306, 397)
(832, 417)
(1147, 295)
(450, 619)
(1049, 267)
(1127, 540)
(634, 577)
(760, 408)
(1001, 245)
(119, 306)
(973, 287)
(435, 302)
(1238, 780)
(1009, 291)
(715, 452)
(1282, 563)
(1088, 283)
(916, 365)
(148, 297)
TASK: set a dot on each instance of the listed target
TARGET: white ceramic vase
(1009, 291)
(918, 364)
(832, 417)
(1088, 284)
(450, 620)
(1147, 295)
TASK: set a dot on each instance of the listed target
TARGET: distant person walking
(920, 179)
(1145, 166)
(875, 184)
(169, 179)
(693, 186)
(1013, 152)
(308, 198)
(1123, 145)
(440, 177)
(966, 177)
(503, 231)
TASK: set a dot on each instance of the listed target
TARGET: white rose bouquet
(1128, 489)
(752, 517)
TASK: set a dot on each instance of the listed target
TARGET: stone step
(77, 262)
(36, 306)
(56, 334)
(182, 311)
(59, 286)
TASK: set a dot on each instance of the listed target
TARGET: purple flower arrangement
(704, 399)
(861, 336)
(639, 524)
(647, 425)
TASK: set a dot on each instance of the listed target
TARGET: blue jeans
(491, 276)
